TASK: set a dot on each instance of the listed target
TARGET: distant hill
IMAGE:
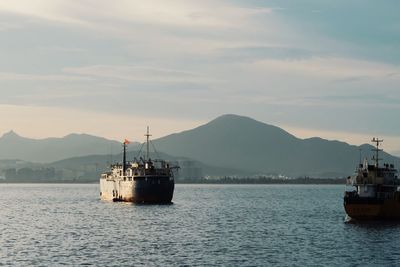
(227, 146)
(13, 146)
(232, 141)
(188, 167)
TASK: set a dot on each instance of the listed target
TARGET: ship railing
(157, 173)
(152, 172)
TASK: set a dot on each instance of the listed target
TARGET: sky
(110, 68)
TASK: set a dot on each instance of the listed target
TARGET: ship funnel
(125, 144)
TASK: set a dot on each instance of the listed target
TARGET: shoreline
(313, 181)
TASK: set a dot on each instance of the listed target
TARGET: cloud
(135, 73)
(351, 79)
(198, 59)
(215, 14)
(331, 67)
(7, 26)
(176, 30)
(18, 77)
(366, 31)
(62, 49)
(49, 10)
(257, 53)
(361, 99)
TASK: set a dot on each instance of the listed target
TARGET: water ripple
(246, 225)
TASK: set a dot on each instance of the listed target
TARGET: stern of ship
(153, 189)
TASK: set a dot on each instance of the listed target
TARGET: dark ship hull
(372, 208)
(152, 190)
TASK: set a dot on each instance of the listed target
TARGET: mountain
(228, 141)
(229, 145)
(96, 164)
(232, 141)
(13, 146)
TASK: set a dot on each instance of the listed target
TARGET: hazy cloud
(256, 53)
(309, 63)
(134, 73)
(18, 77)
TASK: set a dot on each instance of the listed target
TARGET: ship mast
(377, 142)
(147, 143)
(124, 159)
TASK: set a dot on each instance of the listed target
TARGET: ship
(376, 194)
(142, 180)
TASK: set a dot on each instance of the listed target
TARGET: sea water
(230, 225)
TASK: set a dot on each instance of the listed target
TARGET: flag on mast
(126, 141)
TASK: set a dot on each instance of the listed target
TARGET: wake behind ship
(376, 194)
(140, 181)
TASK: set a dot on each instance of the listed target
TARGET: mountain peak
(10, 134)
(243, 123)
(232, 117)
